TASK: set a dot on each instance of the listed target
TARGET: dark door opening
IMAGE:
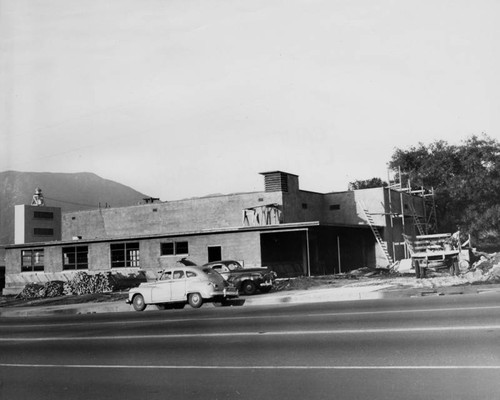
(285, 252)
(214, 253)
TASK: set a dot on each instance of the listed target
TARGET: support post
(338, 254)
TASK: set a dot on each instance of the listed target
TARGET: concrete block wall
(302, 206)
(163, 218)
(242, 246)
(349, 211)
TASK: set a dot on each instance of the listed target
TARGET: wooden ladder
(382, 244)
(416, 220)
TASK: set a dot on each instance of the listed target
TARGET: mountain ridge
(72, 191)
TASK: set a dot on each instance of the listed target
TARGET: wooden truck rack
(433, 252)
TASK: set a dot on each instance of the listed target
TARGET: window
(124, 255)
(43, 215)
(43, 232)
(166, 276)
(334, 206)
(181, 247)
(32, 260)
(75, 257)
(174, 248)
(178, 275)
(304, 206)
(167, 249)
(220, 268)
(190, 274)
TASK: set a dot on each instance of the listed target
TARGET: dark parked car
(246, 280)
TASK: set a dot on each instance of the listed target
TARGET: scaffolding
(424, 222)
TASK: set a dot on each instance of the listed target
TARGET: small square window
(304, 206)
(181, 248)
(167, 249)
(334, 206)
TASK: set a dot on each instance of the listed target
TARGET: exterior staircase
(382, 244)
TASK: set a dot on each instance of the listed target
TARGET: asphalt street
(419, 348)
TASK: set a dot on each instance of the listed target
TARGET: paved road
(426, 348)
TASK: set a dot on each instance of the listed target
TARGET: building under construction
(293, 231)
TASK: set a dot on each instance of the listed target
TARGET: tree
(466, 180)
(367, 184)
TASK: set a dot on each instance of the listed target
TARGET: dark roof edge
(180, 234)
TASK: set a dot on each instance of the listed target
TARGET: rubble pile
(486, 268)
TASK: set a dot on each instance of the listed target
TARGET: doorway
(214, 253)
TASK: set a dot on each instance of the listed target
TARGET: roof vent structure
(278, 181)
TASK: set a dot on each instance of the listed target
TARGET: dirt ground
(485, 270)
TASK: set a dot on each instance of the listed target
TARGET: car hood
(260, 270)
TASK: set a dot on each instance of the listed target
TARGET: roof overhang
(257, 228)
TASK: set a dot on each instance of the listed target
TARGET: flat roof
(261, 228)
(276, 172)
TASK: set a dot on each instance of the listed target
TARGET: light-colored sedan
(180, 285)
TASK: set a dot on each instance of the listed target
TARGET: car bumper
(226, 293)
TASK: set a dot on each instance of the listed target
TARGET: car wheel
(195, 300)
(248, 287)
(138, 303)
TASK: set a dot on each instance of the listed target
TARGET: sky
(184, 98)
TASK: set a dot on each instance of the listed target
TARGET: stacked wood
(37, 290)
(82, 283)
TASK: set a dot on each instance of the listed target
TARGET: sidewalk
(346, 293)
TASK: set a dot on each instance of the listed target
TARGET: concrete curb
(290, 297)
